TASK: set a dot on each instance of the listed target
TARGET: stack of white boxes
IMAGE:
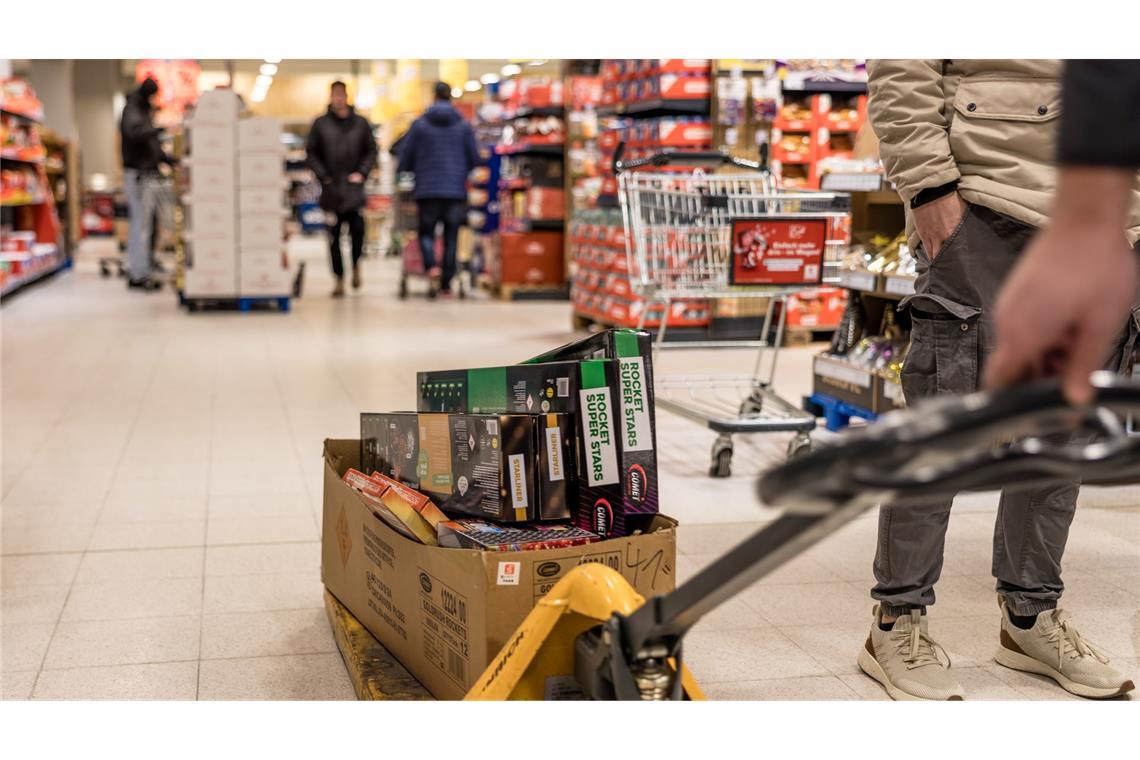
(212, 215)
(262, 267)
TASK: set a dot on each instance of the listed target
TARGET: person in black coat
(341, 152)
(142, 154)
(440, 150)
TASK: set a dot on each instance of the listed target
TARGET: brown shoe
(338, 291)
(356, 278)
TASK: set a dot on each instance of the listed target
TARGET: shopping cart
(406, 244)
(162, 229)
(623, 647)
(680, 244)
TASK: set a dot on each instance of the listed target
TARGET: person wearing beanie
(141, 147)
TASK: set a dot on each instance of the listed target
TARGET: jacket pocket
(1008, 99)
(943, 356)
(1003, 128)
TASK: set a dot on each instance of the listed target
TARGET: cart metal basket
(679, 246)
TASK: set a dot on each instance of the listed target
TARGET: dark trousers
(952, 335)
(450, 212)
(355, 224)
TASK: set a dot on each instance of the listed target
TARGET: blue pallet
(838, 413)
(245, 303)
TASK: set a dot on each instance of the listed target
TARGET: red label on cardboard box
(777, 251)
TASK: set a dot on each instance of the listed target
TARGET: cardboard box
(261, 170)
(635, 491)
(213, 144)
(218, 107)
(446, 613)
(888, 396)
(530, 258)
(211, 282)
(508, 467)
(211, 219)
(213, 253)
(545, 203)
(260, 134)
(261, 230)
(485, 536)
(266, 284)
(844, 381)
(259, 201)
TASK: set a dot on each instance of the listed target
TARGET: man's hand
(936, 221)
(356, 178)
(1072, 290)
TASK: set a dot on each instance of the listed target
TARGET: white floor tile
(815, 688)
(17, 685)
(38, 569)
(117, 600)
(259, 634)
(130, 509)
(801, 603)
(263, 593)
(32, 604)
(746, 655)
(165, 680)
(44, 537)
(148, 535)
(264, 559)
(124, 642)
(140, 564)
(259, 505)
(314, 676)
(261, 530)
(22, 647)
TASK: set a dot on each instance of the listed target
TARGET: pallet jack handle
(942, 447)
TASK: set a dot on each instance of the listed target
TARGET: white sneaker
(1054, 648)
(907, 662)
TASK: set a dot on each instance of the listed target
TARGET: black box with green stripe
(630, 382)
(505, 467)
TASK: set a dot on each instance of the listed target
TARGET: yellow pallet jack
(598, 639)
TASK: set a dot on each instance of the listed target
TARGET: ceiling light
(457, 92)
(263, 80)
(510, 69)
(472, 86)
(273, 60)
(258, 96)
(269, 69)
(535, 63)
(489, 78)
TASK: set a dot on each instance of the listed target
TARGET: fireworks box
(476, 534)
(504, 467)
(608, 496)
(445, 613)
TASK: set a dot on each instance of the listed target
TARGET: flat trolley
(681, 244)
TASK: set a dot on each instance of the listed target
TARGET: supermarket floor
(161, 497)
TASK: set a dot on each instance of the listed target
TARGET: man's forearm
(1093, 196)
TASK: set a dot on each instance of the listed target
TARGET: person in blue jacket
(440, 150)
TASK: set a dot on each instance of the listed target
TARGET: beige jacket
(990, 124)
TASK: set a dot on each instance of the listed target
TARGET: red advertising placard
(777, 251)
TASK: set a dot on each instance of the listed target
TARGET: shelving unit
(33, 244)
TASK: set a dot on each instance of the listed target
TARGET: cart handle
(674, 156)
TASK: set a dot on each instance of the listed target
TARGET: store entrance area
(179, 557)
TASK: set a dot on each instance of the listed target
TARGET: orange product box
(545, 203)
(530, 258)
(681, 65)
(392, 509)
(683, 87)
(683, 132)
(418, 501)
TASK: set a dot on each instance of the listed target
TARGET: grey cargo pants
(951, 337)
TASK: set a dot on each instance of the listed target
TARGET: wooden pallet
(375, 673)
(244, 303)
(802, 336)
(531, 292)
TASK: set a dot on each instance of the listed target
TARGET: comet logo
(635, 484)
(603, 517)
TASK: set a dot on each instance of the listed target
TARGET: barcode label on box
(563, 387)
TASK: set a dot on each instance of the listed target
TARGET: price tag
(901, 286)
(857, 280)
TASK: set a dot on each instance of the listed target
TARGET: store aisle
(162, 487)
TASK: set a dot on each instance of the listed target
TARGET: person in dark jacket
(440, 150)
(142, 154)
(1064, 303)
(341, 152)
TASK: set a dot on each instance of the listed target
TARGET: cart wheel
(403, 288)
(104, 270)
(799, 445)
(721, 466)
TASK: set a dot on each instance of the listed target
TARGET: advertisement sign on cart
(777, 251)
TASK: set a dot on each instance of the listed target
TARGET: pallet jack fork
(594, 637)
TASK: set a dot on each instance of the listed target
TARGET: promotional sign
(177, 86)
(778, 251)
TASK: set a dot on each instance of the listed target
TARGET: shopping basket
(733, 235)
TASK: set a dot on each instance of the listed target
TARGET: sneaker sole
(1026, 664)
(871, 667)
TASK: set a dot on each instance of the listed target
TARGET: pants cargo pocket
(944, 353)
